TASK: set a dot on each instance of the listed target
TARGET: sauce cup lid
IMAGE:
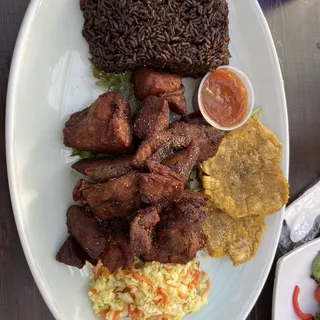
(244, 78)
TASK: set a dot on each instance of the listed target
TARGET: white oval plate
(51, 78)
(295, 269)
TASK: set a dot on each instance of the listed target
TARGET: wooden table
(295, 25)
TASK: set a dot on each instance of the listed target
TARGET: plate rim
(9, 137)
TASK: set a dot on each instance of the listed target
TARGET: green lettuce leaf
(120, 83)
(256, 113)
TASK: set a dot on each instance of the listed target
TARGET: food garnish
(316, 269)
(256, 113)
(81, 154)
(296, 306)
(224, 97)
(295, 296)
(120, 83)
(297, 310)
(154, 290)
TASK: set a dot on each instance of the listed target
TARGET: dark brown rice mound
(188, 37)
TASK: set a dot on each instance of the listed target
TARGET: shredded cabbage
(154, 291)
(256, 113)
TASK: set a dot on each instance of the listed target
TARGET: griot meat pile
(136, 203)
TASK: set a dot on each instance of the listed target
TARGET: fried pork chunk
(141, 230)
(195, 118)
(206, 137)
(179, 136)
(104, 127)
(158, 168)
(87, 231)
(153, 117)
(159, 147)
(116, 198)
(178, 236)
(155, 188)
(182, 162)
(149, 82)
(118, 253)
(173, 234)
(72, 254)
(101, 170)
(176, 101)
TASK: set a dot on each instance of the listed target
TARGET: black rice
(188, 37)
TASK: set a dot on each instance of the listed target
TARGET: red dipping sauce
(224, 98)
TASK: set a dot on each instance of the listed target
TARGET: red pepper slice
(297, 310)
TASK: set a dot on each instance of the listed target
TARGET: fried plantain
(238, 238)
(244, 178)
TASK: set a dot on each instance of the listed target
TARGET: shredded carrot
(135, 314)
(129, 286)
(106, 272)
(97, 269)
(191, 285)
(130, 311)
(103, 312)
(196, 277)
(126, 272)
(157, 301)
(164, 295)
(94, 292)
(132, 295)
(206, 289)
(159, 316)
(116, 315)
(182, 296)
(171, 285)
(139, 277)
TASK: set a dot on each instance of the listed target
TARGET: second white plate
(295, 269)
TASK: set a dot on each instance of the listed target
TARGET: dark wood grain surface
(295, 25)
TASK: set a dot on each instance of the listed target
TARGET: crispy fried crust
(150, 82)
(153, 117)
(118, 253)
(238, 238)
(182, 162)
(72, 254)
(86, 230)
(244, 178)
(141, 230)
(101, 170)
(104, 127)
(116, 198)
(156, 187)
